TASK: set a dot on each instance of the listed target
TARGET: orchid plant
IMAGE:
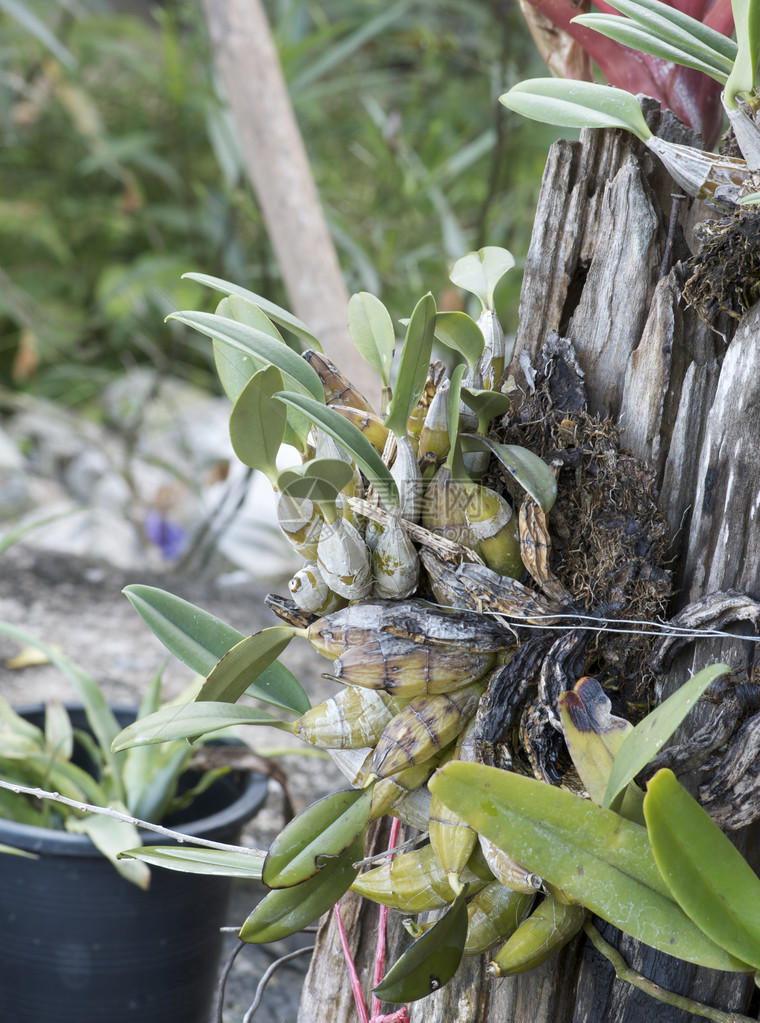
(664, 34)
(625, 64)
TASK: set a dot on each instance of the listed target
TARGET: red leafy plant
(568, 49)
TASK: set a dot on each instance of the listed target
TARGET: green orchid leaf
(273, 311)
(651, 734)
(479, 272)
(235, 367)
(707, 875)
(414, 365)
(322, 831)
(335, 471)
(320, 480)
(669, 20)
(595, 856)
(298, 373)
(279, 687)
(750, 200)
(189, 720)
(194, 636)
(286, 911)
(110, 837)
(594, 736)
(461, 333)
(371, 329)
(200, 640)
(431, 961)
(487, 405)
(675, 48)
(530, 471)
(218, 862)
(258, 422)
(571, 104)
(746, 70)
(229, 679)
(352, 439)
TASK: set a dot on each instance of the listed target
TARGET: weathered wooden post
(688, 401)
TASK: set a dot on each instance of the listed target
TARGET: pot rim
(62, 843)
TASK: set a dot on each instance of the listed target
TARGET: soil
(76, 604)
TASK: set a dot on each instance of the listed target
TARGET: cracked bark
(691, 406)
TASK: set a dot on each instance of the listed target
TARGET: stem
(630, 976)
(107, 811)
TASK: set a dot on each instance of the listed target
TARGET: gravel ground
(76, 604)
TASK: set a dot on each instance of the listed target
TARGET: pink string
(401, 1015)
(356, 987)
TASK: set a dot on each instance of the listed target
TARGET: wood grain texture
(693, 408)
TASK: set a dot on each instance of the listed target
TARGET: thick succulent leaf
(298, 373)
(229, 679)
(371, 330)
(322, 831)
(258, 422)
(194, 636)
(750, 200)
(479, 272)
(675, 49)
(414, 365)
(352, 439)
(595, 856)
(461, 333)
(651, 734)
(110, 837)
(571, 104)
(530, 471)
(708, 876)
(219, 862)
(286, 911)
(431, 961)
(190, 720)
(651, 13)
(593, 734)
(746, 70)
(322, 479)
(273, 311)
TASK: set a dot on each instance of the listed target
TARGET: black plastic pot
(79, 944)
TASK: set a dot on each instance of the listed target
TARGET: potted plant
(84, 934)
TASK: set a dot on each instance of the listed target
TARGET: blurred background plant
(121, 170)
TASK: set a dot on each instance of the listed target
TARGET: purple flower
(168, 536)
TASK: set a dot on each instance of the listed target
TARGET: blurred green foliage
(120, 170)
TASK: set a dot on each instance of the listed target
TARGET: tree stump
(688, 401)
